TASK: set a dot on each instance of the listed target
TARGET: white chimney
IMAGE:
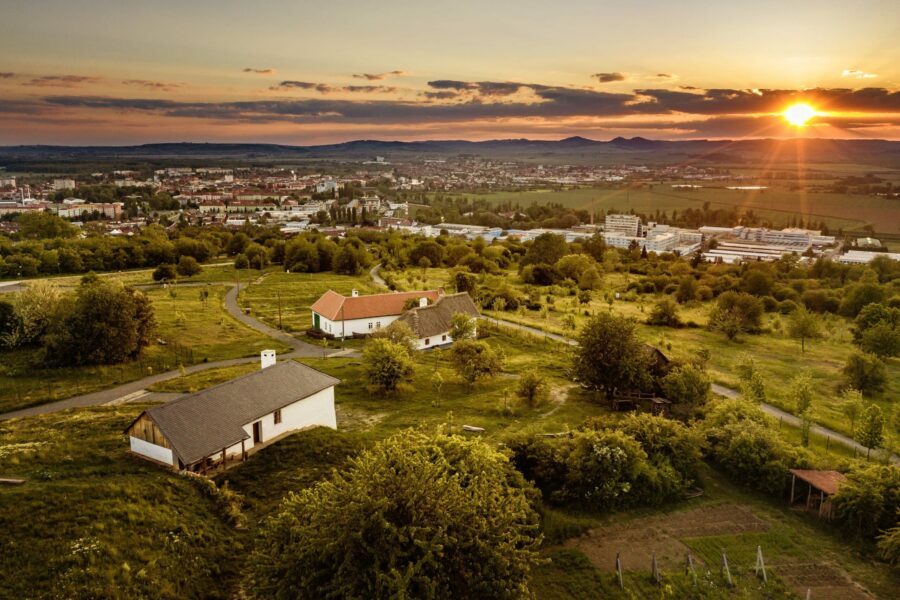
(354, 293)
(267, 358)
(423, 301)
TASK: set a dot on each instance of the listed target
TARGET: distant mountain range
(876, 152)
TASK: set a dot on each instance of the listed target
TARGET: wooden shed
(820, 487)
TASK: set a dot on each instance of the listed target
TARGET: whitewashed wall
(145, 448)
(313, 411)
(352, 326)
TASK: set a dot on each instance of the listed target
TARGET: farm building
(820, 487)
(342, 316)
(431, 324)
(222, 423)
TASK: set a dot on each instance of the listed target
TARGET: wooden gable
(143, 428)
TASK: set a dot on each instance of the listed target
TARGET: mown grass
(297, 292)
(193, 332)
(194, 382)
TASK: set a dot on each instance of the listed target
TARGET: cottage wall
(351, 326)
(150, 450)
(315, 410)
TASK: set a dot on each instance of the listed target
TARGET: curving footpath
(300, 348)
(721, 390)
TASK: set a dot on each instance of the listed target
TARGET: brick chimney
(423, 301)
(354, 294)
(267, 358)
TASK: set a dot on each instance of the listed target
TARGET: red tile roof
(337, 307)
(827, 481)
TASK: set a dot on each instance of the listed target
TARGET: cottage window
(278, 416)
(378, 325)
(370, 325)
(427, 341)
(444, 338)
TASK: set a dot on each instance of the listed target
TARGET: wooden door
(257, 432)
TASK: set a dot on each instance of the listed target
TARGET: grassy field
(777, 355)
(846, 211)
(297, 291)
(87, 490)
(193, 332)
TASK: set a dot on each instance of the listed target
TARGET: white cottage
(224, 422)
(342, 316)
(431, 324)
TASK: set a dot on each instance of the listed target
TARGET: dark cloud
(379, 76)
(608, 77)
(324, 88)
(61, 81)
(451, 84)
(152, 85)
(483, 88)
(266, 71)
(7, 75)
(731, 101)
(664, 75)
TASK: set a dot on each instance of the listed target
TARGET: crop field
(839, 211)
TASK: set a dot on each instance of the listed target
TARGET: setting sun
(799, 114)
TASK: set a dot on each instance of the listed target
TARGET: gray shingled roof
(201, 424)
(434, 319)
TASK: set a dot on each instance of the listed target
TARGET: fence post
(654, 568)
(619, 571)
(690, 567)
(760, 564)
(725, 570)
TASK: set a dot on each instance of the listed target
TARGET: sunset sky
(295, 72)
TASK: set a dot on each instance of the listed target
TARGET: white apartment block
(626, 225)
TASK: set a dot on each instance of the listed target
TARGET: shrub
(386, 364)
(609, 355)
(416, 516)
(736, 313)
(664, 312)
(531, 389)
(869, 500)
(165, 272)
(864, 372)
(475, 359)
(188, 266)
(686, 384)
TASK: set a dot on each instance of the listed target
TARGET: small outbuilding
(820, 487)
(223, 423)
(431, 323)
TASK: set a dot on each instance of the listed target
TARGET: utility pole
(278, 295)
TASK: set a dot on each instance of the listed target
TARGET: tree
(852, 405)
(546, 249)
(870, 432)
(531, 389)
(889, 544)
(805, 427)
(687, 289)
(350, 260)
(869, 499)
(106, 324)
(864, 372)
(386, 364)
(35, 309)
(881, 339)
(757, 282)
(44, 226)
(754, 388)
(609, 356)
(801, 393)
(474, 359)
(686, 384)
(165, 272)
(241, 261)
(414, 517)
(859, 296)
(736, 313)
(803, 325)
(8, 320)
(188, 266)
(400, 333)
(664, 312)
(462, 327)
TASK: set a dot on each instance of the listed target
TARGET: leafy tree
(889, 544)
(864, 372)
(687, 289)
(188, 266)
(754, 388)
(859, 296)
(106, 324)
(44, 226)
(35, 309)
(400, 333)
(852, 406)
(805, 427)
(572, 266)
(686, 384)
(664, 312)
(531, 389)
(757, 282)
(350, 260)
(736, 313)
(415, 517)
(241, 261)
(801, 393)
(609, 356)
(667, 442)
(462, 327)
(301, 256)
(546, 249)
(869, 499)
(870, 432)
(428, 249)
(803, 325)
(881, 339)
(474, 359)
(257, 255)
(463, 281)
(165, 272)
(386, 364)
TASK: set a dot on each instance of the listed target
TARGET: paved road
(721, 390)
(130, 391)
(10, 287)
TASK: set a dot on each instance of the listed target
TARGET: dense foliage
(415, 517)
